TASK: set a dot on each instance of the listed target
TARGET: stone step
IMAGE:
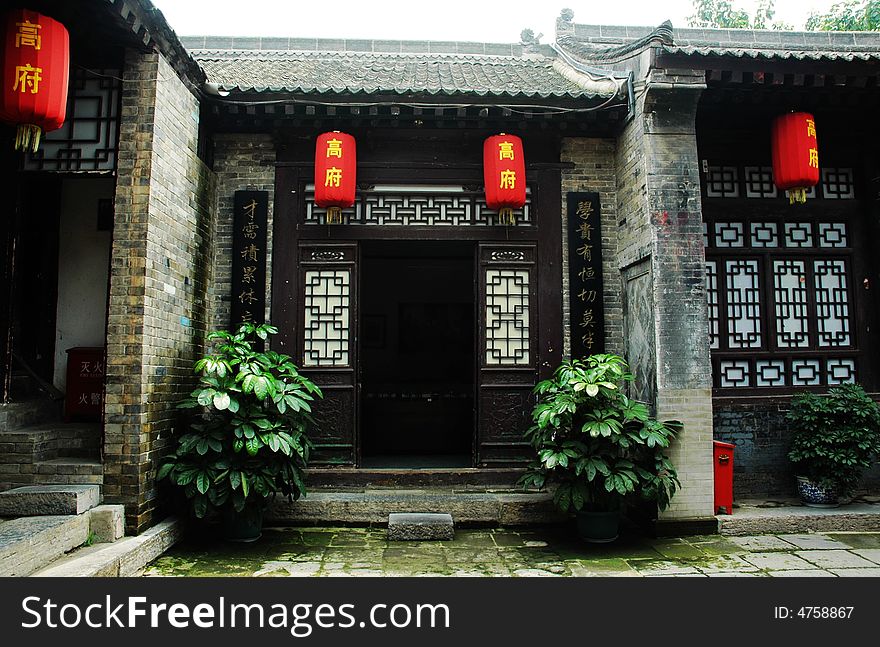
(29, 543)
(753, 520)
(124, 558)
(33, 411)
(69, 471)
(420, 526)
(373, 505)
(35, 500)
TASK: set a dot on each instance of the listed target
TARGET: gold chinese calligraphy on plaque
(248, 298)
(587, 320)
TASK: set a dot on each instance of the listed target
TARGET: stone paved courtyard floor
(548, 552)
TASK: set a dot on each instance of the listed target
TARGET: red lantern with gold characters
(335, 173)
(795, 154)
(36, 58)
(504, 173)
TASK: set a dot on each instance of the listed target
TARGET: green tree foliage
(847, 16)
(722, 13)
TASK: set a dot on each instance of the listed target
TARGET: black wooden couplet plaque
(249, 257)
(585, 274)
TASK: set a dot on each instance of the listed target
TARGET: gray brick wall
(241, 163)
(160, 270)
(594, 170)
(758, 429)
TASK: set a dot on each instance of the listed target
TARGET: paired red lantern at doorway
(795, 154)
(335, 173)
(504, 174)
(36, 58)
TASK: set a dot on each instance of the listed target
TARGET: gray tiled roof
(398, 72)
(742, 43)
(594, 41)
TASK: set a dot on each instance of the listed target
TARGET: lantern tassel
(798, 194)
(506, 217)
(27, 138)
(334, 215)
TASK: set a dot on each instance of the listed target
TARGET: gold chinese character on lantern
(814, 158)
(28, 34)
(505, 150)
(334, 149)
(27, 77)
(811, 128)
(333, 176)
(508, 180)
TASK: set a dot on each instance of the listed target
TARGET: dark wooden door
(508, 350)
(328, 345)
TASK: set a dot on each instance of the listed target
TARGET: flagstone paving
(551, 552)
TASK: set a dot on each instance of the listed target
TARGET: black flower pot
(245, 526)
(598, 527)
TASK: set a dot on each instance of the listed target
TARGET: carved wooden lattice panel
(780, 299)
(417, 205)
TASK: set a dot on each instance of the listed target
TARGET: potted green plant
(248, 441)
(597, 446)
(835, 437)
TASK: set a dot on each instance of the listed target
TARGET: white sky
(492, 21)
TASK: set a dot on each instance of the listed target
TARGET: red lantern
(504, 173)
(36, 58)
(795, 154)
(335, 173)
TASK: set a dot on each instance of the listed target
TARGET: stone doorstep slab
(28, 543)
(124, 558)
(38, 500)
(858, 517)
(420, 526)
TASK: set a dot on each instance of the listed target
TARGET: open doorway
(417, 354)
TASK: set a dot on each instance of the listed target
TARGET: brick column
(160, 268)
(662, 261)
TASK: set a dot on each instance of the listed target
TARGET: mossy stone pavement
(546, 552)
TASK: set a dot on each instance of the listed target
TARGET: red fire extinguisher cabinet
(722, 459)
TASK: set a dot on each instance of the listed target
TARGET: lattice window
(798, 234)
(838, 184)
(729, 234)
(832, 302)
(759, 182)
(764, 234)
(735, 373)
(417, 206)
(832, 234)
(714, 307)
(790, 297)
(779, 301)
(743, 304)
(722, 182)
(507, 317)
(327, 321)
(770, 372)
(88, 139)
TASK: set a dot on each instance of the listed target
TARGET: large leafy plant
(835, 437)
(597, 445)
(248, 441)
